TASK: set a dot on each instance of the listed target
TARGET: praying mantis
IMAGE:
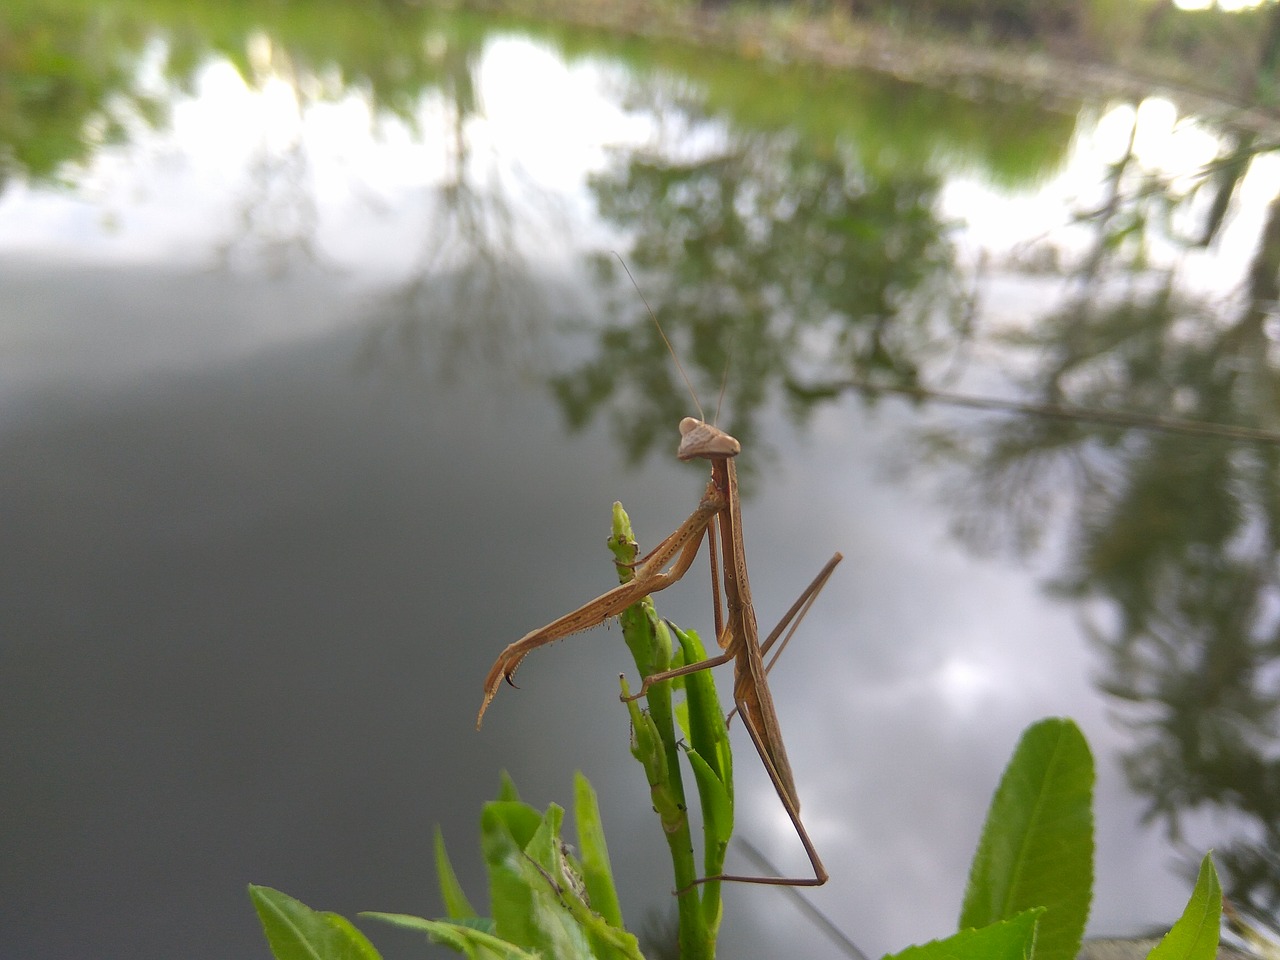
(737, 633)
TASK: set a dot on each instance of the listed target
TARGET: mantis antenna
(724, 385)
(662, 333)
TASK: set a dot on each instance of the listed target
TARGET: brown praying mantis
(737, 634)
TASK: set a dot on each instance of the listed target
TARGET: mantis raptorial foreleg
(679, 549)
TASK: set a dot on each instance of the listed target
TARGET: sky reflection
(254, 474)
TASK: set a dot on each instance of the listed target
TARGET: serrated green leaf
(1037, 845)
(455, 900)
(467, 939)
(296, 932)
(596, 869)
(1012, 939)
(1195, 935)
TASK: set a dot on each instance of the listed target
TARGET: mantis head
(699, 439)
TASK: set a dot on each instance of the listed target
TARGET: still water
(320, 377)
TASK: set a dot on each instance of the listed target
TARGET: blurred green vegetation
(73, 81)
(69, 82)
(74, 78)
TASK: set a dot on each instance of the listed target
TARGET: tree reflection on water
(801, 248)
(804, 274)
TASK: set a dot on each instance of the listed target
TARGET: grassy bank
(1214, 63)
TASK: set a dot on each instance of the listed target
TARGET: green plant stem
(650, 644)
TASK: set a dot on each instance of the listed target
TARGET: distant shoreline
(785, 35)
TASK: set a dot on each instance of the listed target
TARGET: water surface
(321, 376)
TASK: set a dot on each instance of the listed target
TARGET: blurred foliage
(1020, 19)
(1234, 53)
(760, 263)
(1027, 898)
(69, 85)
(1213, 49)
(1013, 137)
(771, 260)
(74, 64)
(75, 77)
(1180, 536)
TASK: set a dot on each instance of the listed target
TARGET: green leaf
(646, 741)
(1037, 846)
(717, 805)
(519, 819)
(1011, 939)
(597, 872)
(1195, 935)
(296, 932)
(608, 942)
(483, 924)
(711, 760)
(507, 788)
(476, 943)
(456, 904)
(525, 877)
(705, 725)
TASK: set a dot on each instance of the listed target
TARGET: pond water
(320, 377)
